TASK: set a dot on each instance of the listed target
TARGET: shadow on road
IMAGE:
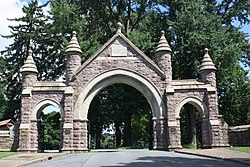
(152, 161)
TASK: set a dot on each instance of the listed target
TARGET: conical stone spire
(29, 65)
(163, 44)
(73, 44)
(207, 63)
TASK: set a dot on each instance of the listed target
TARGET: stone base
(173, 148)
(220, 145)
(28, 151)
(74, 150)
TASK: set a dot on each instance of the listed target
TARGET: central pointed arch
(125, 76)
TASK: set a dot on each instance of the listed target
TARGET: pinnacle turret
(163, 44)
(207, 63)
(29, 65)
(73, 44)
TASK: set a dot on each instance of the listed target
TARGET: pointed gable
(120, 47)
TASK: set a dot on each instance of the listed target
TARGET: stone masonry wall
(6, 140)
(239, 135)
(28, 135)
(105, 62)
(28, 79)
(173, 99)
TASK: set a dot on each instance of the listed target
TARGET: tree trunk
(118, 135)
(127, 130)
(98, 135)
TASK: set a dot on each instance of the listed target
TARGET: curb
(210, 156)
(46, 158)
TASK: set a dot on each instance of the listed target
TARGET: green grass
(189, 146)
(6, 154)
(242, 149)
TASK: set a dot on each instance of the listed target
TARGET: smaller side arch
(43, 104)
(197, 103)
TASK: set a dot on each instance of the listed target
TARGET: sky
(10, 9)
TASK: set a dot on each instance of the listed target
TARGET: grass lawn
(243, 149)
(189, 146)
(6, 154)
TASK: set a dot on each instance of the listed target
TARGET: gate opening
(49, 130)
(190, 125)
(120, 116)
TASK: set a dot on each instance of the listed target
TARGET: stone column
(80, 137)
(160, 134)
(24, 143)
(67, 130)
(24, 129)
(174, 134)
(27, 140)
(206, 133)
(33, 136)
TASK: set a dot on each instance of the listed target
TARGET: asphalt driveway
(134, 158)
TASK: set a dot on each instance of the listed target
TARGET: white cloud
(9, 9)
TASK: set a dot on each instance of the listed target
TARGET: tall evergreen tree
(195, 25)
(2, 90)
(31, 30)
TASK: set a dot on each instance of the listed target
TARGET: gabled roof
(109, 42)
(6, 122)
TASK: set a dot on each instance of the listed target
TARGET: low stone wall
(239, 135)
(6, 140)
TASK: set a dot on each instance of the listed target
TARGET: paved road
(134, 158)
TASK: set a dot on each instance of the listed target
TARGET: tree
(195, 25)
(2, 90)
(32, 31)
(190, 25)
(125, 108)
(50, 131)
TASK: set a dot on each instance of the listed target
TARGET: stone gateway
(120, 61)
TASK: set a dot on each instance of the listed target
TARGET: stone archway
(43, 104)
(133, 79)
(119, 76)
(202, 110)
(197, 103)
(120, 61)
(36, 122)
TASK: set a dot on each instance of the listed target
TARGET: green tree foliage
(190, 25)
(31, 30)
(195, 25)
(2, 90)
(130, 115)
(50, 131)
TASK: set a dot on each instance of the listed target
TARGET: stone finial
(29, 65)
(73, 44)
(163, 44)
(119, 27)
(207, 63)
